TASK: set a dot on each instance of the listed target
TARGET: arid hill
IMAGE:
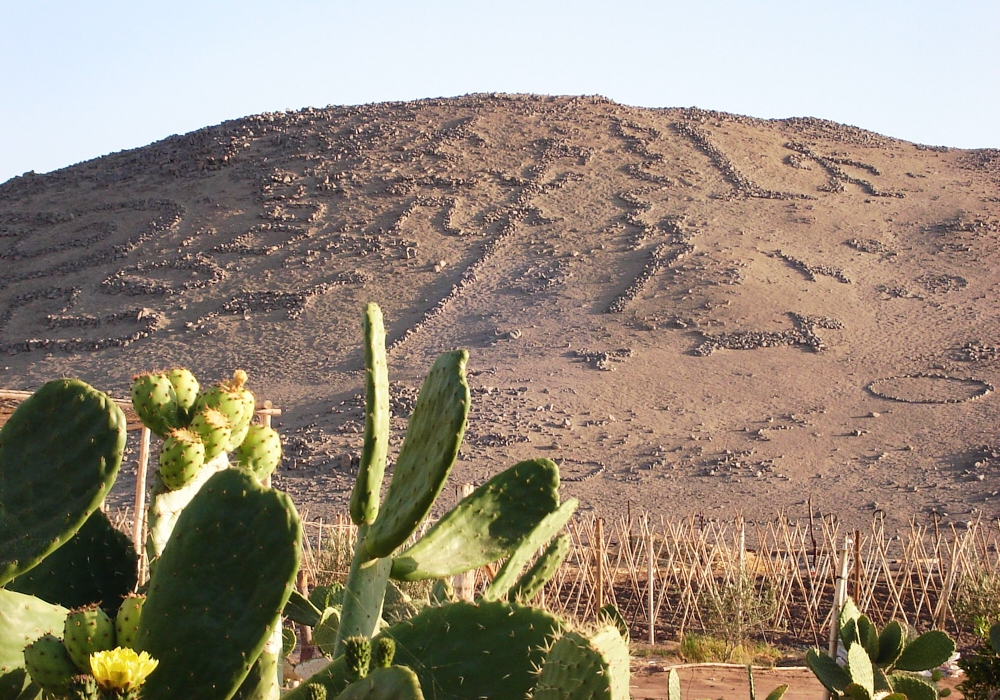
(692, 312)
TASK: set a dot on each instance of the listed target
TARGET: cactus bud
(358, 654)
(385, 651)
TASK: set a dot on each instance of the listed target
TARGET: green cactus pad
(393, 683)
(429, 450)
(85, 631)
(260, 451)
(913, 687)
(127, 620)
(262, 683)
(833, 677)
(463, 650)
(364, 597)
(580, 667)
(59, 455)
(487, 524)
(325, 630)
(364, 497)
(214, 429)
(859, 668)
(48, 663)
(166, 505)
(289, 640)
(929, 650)
(546, 529)
(186, 390)
(98, 565)
(221, 582)
(181, 458)
(301, 611)
(442, 591)
(330, 595)
(890, 644)
(544, 568)
(248, 403)
(673, 685)
(23, 619)
(155, 400)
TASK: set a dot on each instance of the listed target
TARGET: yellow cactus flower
(121, 668)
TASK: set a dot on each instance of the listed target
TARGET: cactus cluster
(220, 582)
(198, 425)
(881, 664)
(493, 647)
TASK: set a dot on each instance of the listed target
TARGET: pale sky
(82, 79)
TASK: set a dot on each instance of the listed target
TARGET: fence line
(775, 578)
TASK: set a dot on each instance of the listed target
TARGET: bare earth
(692, 312)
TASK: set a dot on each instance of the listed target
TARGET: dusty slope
(747, 281)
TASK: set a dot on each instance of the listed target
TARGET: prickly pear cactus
(97, 565)
(364, 497)
(393, 683)
(127, 620)
(181, 458)
(59, 455)
(48, 663)
(385, 652)
(260, 451)
(155, 400)
(462, 650)
(23, 619)
(186, 390)
(87, 630)
(214, 429)
(544, 568)
(220, 584)
(358, 656)
(584, 667)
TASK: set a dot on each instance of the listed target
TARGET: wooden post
(599, 554)
(649, 593)
(857, 566)
(139, 517)
(265, 419)
(839, 598)
(465, 584)
(306, 648)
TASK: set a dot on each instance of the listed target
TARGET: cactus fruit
(260, 451)
(23, 619)
(358, 656)
(87, 630)
(487, 524)
(155, 400)
(364, 497)
(59, 455)
(97, 565)
(127, 620)
(230, 404)
(214, 429)
(181, 458)
(236, 387)
(83, 687)
(429, 450)
(313, 691)
(186, 390)
(580, 667)
(48, 663)
(385, 652)
(215, 585)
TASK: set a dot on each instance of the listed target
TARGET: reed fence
(670, 576)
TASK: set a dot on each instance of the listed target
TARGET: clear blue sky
(82, 79)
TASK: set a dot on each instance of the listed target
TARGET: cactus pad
(127, 620)
(186, 390)
(23, 619)
(510, 572)
(221, 582)
(98, 565)
(429, 450)
(364, 497)
(544, 568)
(393, 683)
(463, 650)
(59, 455)
(486, 525)
(214, 429)
(155, 400)
(580, 667)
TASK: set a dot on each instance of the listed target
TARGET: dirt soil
(691, 312)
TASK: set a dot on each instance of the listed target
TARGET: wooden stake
(465, 584)
(650, 579)
(599, 554)
(265, 419)
(139, 517)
